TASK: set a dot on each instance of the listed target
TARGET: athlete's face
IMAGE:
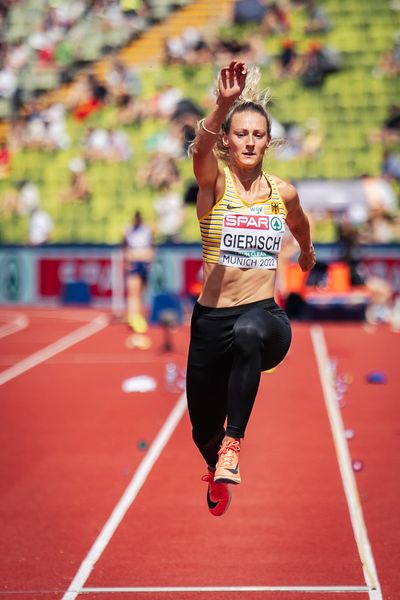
(247, 138)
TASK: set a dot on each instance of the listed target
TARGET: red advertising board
(54, 273)
(193, 276)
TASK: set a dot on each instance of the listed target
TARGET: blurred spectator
(197, 49)
(57, 126)
(46, 129)
(390, 132)
(138, 257)
(130, 110)
(22, 200)
(106, 145)
(136, 13)
(349, 245)
(174, 50)
(95, 144)
(291, 146)
(164, 103)
(278, 131)
(186, 114)
(169, 209)
(381, 307)
(392, 123)
(301, 141)
(379, 193)
(319, 61)
(226, 50)
(248, 11)
(390, 167)
(389, 64)
(120, 145)
(25, 201)
(122, 81)
(189, 48)
(78, 189)
(379, 227)
(17, 55)
(160, 172)
(29, 197)
(288, 63)
(16, 134)
(35, 133)
(174, 137)
(5, 160)
(312, 139)
(40, 226)
(87, 97)
(276, 19)
(8, 82)
(169, 142)
(317, 18)
(42, 40)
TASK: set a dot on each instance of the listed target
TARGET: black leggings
(229, 348)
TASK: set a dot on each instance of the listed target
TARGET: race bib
(251, 241)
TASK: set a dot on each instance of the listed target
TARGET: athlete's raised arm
(231, 82)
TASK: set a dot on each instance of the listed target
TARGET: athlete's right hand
(232, 80)
(307, 259)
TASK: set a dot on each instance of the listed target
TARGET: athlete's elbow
(200, 151)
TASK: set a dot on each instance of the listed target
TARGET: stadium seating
(349, 106)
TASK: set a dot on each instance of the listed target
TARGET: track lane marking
(47, 352)
(344, 461)
(243, 588)
(234, 588)
(126, 500)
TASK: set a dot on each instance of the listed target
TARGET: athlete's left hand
(307, 259)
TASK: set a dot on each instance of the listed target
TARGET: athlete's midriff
(229, 286)
(139, 254)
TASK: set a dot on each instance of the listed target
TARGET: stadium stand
(333, 126)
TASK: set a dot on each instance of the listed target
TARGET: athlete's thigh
(273, 328)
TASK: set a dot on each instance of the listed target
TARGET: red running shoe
(218, 495)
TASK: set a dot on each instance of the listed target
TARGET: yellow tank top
(246, 236)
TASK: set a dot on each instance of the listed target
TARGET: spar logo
(247, 221)
(276, 224)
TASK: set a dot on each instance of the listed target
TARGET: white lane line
(126, 499)
(243, 588)
(239, 588)
(64, 314)
(344, 460)
(85, 359)
(15, 324)
(63, 343)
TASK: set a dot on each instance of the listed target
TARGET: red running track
(72, 442)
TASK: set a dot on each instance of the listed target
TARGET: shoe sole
(226, 480)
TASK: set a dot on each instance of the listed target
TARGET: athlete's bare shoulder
(286, 189)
